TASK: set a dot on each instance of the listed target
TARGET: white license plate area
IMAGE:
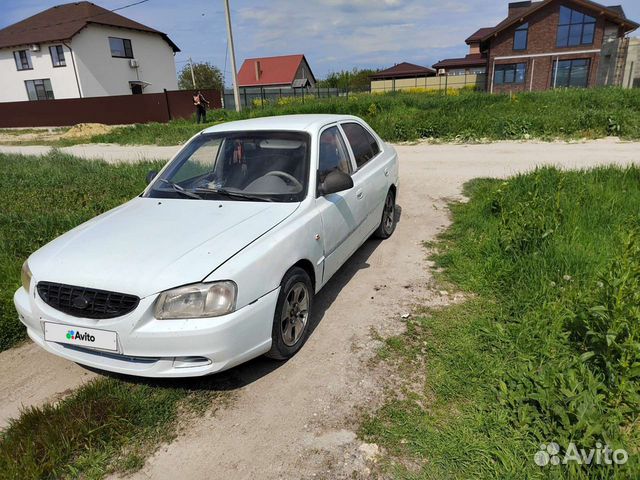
(80, 336)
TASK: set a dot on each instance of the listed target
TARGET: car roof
(308, 123)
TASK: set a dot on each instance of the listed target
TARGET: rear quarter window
(363, 144)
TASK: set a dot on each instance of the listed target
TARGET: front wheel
(388, 222)
(292, 315)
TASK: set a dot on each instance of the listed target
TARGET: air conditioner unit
(35, 47)
(442, 71)
(133, 63)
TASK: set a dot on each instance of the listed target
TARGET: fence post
(262, 98)
(166, 100)
(303, 95)
(245, 98)
(446, 84)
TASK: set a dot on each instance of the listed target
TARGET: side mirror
(336, 181)
(150, 176)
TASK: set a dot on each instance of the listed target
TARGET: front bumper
(159, 348)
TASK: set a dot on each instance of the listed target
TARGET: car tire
(388, 221)
(292, 315)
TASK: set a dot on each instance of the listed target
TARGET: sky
(333, 34)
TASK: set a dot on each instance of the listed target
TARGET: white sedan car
(219, 259)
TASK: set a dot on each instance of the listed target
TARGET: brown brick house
(549, 44)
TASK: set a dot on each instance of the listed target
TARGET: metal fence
(262, 97)
(111, 110)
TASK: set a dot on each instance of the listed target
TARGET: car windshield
(238, 166)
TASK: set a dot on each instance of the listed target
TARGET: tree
(354, 79)
(207, 76)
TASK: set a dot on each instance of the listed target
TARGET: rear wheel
(388, 222)
(291, 318)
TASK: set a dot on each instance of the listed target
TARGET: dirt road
(298, 419)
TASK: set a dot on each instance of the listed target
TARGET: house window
(511, 74)
(120, 47)
(575, 28)
(57, 56)
(23, 60)
(571, 73)
(456, 72)
(521, 37)
(39, 89)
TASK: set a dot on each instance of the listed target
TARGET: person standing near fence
(201, 104)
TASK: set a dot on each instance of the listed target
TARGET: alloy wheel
(295, 314)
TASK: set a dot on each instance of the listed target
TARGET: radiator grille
(86, 302)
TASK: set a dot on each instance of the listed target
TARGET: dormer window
(575, 28)
(521, 37)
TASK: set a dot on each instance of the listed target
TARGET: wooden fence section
(114, 110)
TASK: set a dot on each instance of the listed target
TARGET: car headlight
(197, 301)
(26, 276)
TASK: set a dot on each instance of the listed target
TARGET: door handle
(359, 194)
(386, 172)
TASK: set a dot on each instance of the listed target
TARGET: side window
(362, 143)
(333, 153)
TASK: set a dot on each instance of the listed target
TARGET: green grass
(18, 131)
(173, 133)
(459, 116)
(44, 197)
(106, 426)
(546, 348)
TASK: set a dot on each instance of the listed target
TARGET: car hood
(149, 245)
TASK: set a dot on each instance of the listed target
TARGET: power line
(130, 5)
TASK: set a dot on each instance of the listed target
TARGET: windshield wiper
(180, 189)
(227, 193)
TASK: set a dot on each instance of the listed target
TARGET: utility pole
(236, 90)
(193, 77)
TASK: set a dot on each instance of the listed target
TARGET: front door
(344, 213)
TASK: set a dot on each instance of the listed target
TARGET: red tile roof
(64, 21)
(404, 69)
(273, 70)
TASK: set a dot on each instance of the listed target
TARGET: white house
(80, 50)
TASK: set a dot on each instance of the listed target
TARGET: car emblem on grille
(80, 303)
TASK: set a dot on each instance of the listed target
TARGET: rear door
(344, 213)
(372, 172)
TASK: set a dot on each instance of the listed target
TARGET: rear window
(362, 143)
